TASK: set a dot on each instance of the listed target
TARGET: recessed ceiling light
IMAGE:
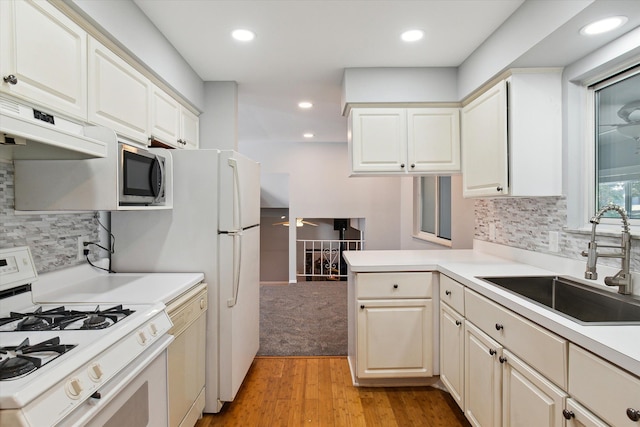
(305, 104)
(243, 35)
(412, 35)
(308, 135)
(603, 25)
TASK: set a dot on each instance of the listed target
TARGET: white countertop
(620, 344)
(84, 284)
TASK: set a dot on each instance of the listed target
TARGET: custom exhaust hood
(30, 134)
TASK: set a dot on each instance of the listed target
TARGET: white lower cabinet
(528, 398)
(394, 338)
(452, 352)
(391, 322)
(482, 378)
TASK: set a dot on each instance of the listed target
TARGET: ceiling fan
(300, 222)
(630, 113)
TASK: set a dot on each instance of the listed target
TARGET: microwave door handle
(237, 264)
(162, 177)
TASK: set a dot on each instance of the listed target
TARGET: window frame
(418, 233)
(609, 78)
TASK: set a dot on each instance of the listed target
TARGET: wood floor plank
(318, 392)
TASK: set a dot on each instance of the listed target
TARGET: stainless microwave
(141, 176)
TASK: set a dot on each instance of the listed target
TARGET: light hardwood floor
(318, 392)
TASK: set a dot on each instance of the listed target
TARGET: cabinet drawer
(605, 389)
(452, 293)
(393, 285)
(543, 350)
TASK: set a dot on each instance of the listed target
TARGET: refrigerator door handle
(237, 264)
(236, 187)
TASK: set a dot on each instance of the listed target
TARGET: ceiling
(302, 47)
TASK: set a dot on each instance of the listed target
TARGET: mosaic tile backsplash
(525, 223)
(53, 238)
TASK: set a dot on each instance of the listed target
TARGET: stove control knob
(142, 337)
(73, 388)
(153, 329)
(95, 372)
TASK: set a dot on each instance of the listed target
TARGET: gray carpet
(303, 319)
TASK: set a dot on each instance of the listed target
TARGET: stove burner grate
(20, 360)
(61, 318)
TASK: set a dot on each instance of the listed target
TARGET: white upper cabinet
(433, 139)
(512, 137)
(171, 122)
(404, 140)
(119, 96)
(44, 57)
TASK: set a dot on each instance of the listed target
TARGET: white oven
(78, 348)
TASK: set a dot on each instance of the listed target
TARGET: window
(432, 209)
(617, 142)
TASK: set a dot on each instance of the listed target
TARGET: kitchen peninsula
(558, 357)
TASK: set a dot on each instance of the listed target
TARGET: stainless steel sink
(579, 302)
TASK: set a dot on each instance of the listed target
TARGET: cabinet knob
(502, 359)
(492, 352)
(499, 327)
(402, 165)
(395, 286)
(498, 189)
(633, 414)
(413, 165)
(362, 307)
(11, 79)
(458, 323)
(567, 414)
(447, 293)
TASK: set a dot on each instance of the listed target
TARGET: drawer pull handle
(395, 286)
(502, 359)
(492, 352)
(633, 414)
(458, 323)
(447, 292)
(499, 327)
(567, 414)
(362, 307)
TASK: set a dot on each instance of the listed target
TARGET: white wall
(219, 120)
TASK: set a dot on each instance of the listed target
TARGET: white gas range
(71, 354)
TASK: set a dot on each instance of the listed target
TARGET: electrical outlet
(554, 245)
(81, 247)
(492, 231)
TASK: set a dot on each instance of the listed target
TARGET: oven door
(136, 397)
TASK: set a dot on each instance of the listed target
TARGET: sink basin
(579, 302)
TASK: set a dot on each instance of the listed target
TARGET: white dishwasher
(186, 357)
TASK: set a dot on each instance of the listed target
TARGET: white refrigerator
(214, 228)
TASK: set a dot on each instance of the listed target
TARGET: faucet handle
(584, 253)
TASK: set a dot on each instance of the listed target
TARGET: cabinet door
(119, 95)
(482, 378)
(165, 118)
(433, 139)
(578, 416)
(379, 139)
(47, 54)
(395, 338)
(528, 398)
(189, 129)
(484, 144)
(452, 353)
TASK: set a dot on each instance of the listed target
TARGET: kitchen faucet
(622, 278)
